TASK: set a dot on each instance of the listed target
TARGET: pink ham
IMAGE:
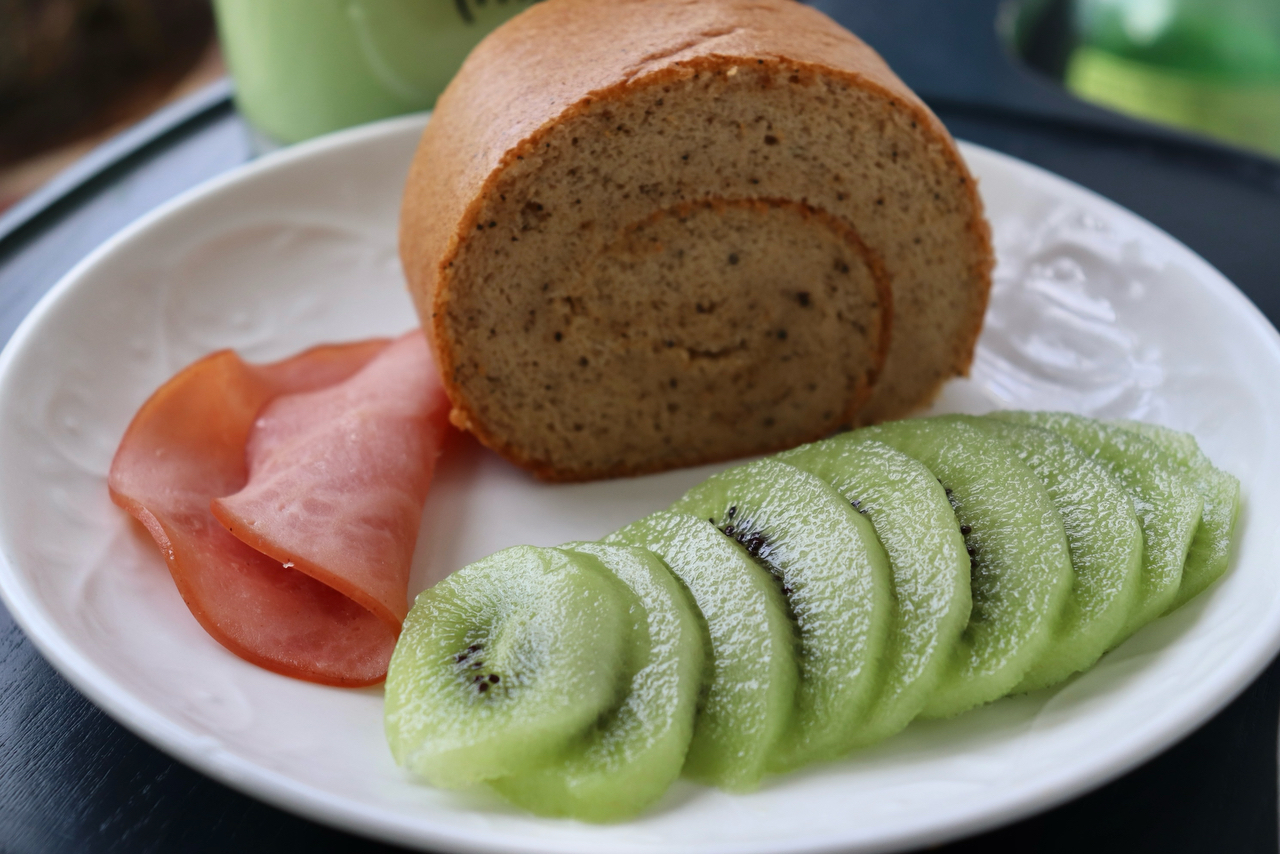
(319, 465)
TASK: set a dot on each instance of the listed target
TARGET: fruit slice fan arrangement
(798, 607)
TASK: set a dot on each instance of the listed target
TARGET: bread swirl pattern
(796, 200)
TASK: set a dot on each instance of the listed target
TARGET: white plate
(1094, 310)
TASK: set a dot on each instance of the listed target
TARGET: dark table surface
(73, 780)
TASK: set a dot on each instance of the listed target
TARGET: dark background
(72, 780)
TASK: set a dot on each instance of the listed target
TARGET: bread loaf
(644, 234)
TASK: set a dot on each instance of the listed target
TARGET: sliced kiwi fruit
(1211, 544)
(632, 754)
(928, 563)
(790, 609)
(504, 663)
(835, 576)
(1021, 568)
(1167, 504)
(750, 641)
(1105, 540)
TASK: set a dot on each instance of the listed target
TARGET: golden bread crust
(550, 65)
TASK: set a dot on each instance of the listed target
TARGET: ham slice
(317, 468)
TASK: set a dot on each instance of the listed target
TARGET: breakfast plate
(1093, 310)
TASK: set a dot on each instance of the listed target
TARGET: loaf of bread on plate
(644, 234)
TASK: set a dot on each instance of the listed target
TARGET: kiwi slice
(1167, 504)
(624, 763)
(502, 664)
(927, 560)
(834, 573)
(1105, 540)
(1211, 543)
(749, 689)
(1021, 568)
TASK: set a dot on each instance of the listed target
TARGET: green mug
(306, 67)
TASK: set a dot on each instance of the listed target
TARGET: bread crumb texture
(648, 233)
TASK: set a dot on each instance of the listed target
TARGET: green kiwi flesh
(1167, 504)
(789, 610)
(1105, 540)
(750, 643)
(1211, 544)
(833, 571)
(1021, 572)
(503, 664)
(930, 601)
(627, 760)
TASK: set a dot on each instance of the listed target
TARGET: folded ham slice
(317, 468)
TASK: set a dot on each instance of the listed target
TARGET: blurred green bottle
(1207, 65)
(306, 67)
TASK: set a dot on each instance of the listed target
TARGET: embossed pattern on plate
(1094, 310)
